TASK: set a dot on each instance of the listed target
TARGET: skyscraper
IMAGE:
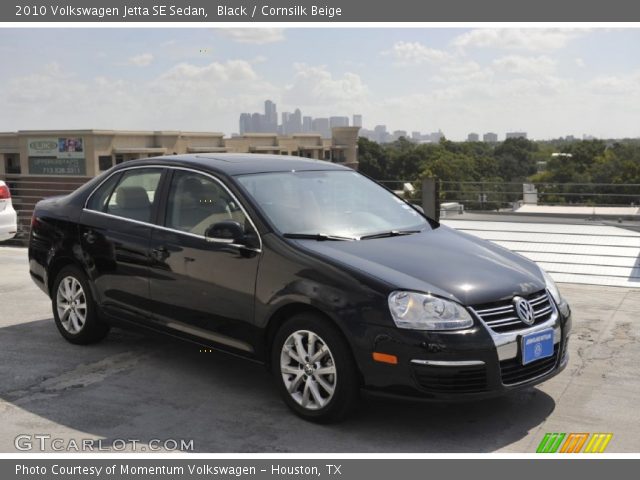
(516, 135)
(357, 120)
(338, 122)
(380, 134)
(306, 124)
(321, 126)
(271, 117)
(295, 122)
(245, 123)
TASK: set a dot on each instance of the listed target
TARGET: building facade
(516, 135)
(87, 153)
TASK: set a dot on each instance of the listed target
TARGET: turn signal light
(385, 358)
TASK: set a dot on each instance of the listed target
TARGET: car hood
(442, 261)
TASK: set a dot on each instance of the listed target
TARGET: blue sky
(548, 82)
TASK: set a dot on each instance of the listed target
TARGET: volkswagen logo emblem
(524, 310)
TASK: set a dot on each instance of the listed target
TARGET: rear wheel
(314, 370)
(74, 310)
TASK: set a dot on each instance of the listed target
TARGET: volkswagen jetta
(329, 279)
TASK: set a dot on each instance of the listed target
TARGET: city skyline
(550, 83)
(293, 123)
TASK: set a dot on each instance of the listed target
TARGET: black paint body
(233, 299)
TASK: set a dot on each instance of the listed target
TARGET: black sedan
(331, 280)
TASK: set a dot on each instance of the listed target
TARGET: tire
(77, 320)
(312, 395)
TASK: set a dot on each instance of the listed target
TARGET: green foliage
(459, 164)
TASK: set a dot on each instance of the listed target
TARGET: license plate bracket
(537, 345)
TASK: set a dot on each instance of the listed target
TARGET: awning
(266, 148)
(139, 150)
(206, 149)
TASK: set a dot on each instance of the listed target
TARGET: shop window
(105, 162)
(12, 164)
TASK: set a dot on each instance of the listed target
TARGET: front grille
(451, 380)
(512, 370)
(501, 317)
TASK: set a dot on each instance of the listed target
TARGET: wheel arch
(283, 313)
(57, 264)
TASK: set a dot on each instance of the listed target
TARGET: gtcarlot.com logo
(574, 443)
(45, 442)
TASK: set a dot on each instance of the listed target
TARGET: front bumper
(472, 364)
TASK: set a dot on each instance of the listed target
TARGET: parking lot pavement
(143, 388)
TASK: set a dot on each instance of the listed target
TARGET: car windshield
(333, 205)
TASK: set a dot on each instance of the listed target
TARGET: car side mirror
(228, 231)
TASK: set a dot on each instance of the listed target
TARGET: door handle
(90, 236)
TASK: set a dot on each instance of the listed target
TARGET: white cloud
(315, 85)
(255, 36)
(185, 97)
(531, 39)
(520, 65)
(142, 60)
(580, 63)
(621, 85)
(212, 74)
(415, 53)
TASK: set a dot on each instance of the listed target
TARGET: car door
(202, 289)
(115, 232)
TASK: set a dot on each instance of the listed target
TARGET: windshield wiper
(389, 233)
(316, 236)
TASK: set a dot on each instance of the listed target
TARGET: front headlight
(552, 287)
(420, 311)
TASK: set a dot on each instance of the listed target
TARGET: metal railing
(505, 195)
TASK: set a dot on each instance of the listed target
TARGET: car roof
(239, 163)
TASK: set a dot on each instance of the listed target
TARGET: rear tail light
(4, 192)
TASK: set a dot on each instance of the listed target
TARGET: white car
(8, 217)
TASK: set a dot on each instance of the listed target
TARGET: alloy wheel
(71, 304)
(308, 369)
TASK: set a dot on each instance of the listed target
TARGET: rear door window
(134, 194)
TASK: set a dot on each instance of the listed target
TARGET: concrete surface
(136, 387)
(575, 210)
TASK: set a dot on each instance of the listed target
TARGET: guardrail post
(431, 197)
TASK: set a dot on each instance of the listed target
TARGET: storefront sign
(57, 166)
(56, 156)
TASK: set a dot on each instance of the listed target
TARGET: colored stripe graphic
(550, 443)
(598, 443)
(574, 442)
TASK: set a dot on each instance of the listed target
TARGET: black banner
(343, 469)
(234, 11)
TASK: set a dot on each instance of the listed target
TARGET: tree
(515, 158)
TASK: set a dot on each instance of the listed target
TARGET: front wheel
(314, 369)
(74, 310)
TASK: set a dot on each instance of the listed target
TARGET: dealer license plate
(537, 345)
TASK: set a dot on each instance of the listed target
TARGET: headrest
(209, 193)
(132, 197)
